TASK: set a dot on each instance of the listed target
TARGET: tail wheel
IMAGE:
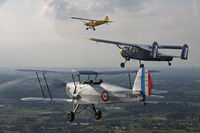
(141, 65)
(98, 115)
(70, 116)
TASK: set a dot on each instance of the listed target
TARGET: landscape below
(179, 112)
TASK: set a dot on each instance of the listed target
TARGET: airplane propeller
(74, 84)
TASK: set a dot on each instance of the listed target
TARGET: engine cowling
(184, 53)
(154, 51)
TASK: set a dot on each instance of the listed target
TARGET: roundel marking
(104, 96)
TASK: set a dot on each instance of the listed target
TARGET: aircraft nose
(121, 50)
(69, 85)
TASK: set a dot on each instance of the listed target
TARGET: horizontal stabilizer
(159, 92)
(156, 97)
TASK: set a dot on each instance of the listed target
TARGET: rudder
(106, 19)
(143, 82)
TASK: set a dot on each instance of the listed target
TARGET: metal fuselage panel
(103, 93)
(143, 54)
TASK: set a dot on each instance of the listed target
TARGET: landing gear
(169, 63)
(141, 65)
(86, 28)
(122, 65)
(71, 114)
(97, 114)
(94, 29)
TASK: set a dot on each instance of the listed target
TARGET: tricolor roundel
(104, 96)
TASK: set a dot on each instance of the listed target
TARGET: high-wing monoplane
(146, 52)
(92, 92)
(92, 23)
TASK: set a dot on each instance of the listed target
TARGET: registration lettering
(132, 96)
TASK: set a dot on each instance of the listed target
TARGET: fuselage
(93, 24)
(142, 54)
(101, 93)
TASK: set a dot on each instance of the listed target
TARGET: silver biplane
(93, 92)
(146, 52)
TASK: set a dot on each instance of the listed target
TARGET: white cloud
(43, 34)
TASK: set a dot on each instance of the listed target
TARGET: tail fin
(106, 19)
(143, 82)
(184, 53)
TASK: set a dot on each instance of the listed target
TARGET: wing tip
(92, 39)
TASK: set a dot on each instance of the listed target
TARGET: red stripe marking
(149, 83)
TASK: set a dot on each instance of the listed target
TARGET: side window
(136, 50)
(133, 49)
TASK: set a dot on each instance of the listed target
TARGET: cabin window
(133, 49)
(136, 50)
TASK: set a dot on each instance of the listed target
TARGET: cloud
(63, 9)
(2, 2)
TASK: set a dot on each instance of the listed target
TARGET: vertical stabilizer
(143, 82)
(106, 19)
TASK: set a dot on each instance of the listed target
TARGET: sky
(40, 33)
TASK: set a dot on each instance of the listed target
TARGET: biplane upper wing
(80, 72)
(84, 72)
(136, 45)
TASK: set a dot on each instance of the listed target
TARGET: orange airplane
(91, 23)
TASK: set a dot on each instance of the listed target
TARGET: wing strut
(129, 77)
(47, 86)
(118, 46)
(40, 85)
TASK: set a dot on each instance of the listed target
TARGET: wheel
(86, 28)
(98, 115)
(170, 64)
(122, 65)
(94, 29)
(141, 65)
(70, 116)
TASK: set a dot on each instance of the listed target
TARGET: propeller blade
(74, 84)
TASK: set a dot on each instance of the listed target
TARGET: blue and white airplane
(146, 52)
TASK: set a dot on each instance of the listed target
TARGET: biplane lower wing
(54, 100)
(46, 100)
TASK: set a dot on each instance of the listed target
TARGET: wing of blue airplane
(144, 46)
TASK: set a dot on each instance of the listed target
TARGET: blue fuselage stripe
(143, 82)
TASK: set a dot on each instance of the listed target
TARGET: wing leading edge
(136, 45)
